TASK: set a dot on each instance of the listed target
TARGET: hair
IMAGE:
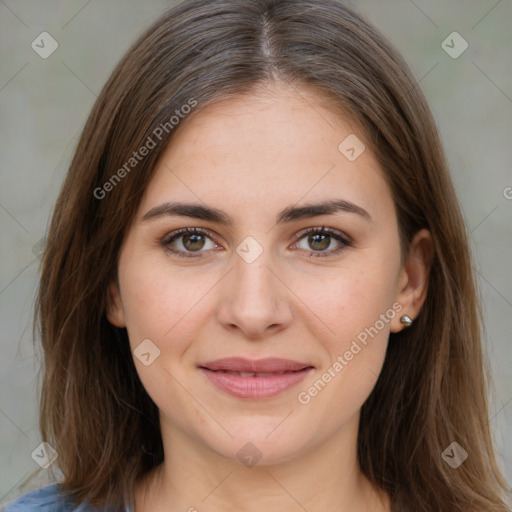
(432, 389)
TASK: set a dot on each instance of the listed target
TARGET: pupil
(324, 243)
(194, 238)
(321, 241)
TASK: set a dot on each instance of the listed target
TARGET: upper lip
(267, 365)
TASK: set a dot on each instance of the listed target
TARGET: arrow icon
(249, 454)
(454, 45)
(454, 455)
(351, 147)
(147, 352)
(249, 252)
(44, 45)
(450, 455)
(44, 455)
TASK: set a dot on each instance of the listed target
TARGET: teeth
(251, 374)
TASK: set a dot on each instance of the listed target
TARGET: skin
(252, 156)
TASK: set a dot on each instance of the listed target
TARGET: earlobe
(412, 285)
(114, 312)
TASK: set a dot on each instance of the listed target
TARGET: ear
(413, 280)
(115, 312)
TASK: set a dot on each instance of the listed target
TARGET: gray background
(44, 104)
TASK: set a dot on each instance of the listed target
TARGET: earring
(406, 320)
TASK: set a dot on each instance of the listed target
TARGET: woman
(257, 290)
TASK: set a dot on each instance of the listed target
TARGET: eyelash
(345, 242)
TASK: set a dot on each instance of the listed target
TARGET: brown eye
(318, 241)
(193, 242)
(186, 242)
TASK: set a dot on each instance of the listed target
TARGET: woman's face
(253, 284)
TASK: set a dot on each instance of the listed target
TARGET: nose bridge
(253, 260)
(254, 299)
(254, 283)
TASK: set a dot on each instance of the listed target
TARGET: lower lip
(255, 387)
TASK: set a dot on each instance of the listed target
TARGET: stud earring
(406, 320)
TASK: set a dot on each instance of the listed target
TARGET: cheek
(352, 299)
(353, 310)
(166, 308)
(159, 303)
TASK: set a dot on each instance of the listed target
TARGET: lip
(266, 365)
(255, 387)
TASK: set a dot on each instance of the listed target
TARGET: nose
(254, 300)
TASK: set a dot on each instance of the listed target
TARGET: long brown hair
(432, 389)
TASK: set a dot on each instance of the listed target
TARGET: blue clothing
(48, 499)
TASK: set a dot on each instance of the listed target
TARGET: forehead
(267, 148)
(275, 119)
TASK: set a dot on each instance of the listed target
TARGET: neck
(323, 476)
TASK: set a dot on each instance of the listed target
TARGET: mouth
(255, 379)
(251, 374)
(270, 365)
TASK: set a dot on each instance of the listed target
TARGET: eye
(320, 239)
(189, 241)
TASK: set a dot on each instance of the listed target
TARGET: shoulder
(47, 499)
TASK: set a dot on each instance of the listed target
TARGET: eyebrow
(289, 214)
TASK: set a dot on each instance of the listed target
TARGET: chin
(255, 447)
